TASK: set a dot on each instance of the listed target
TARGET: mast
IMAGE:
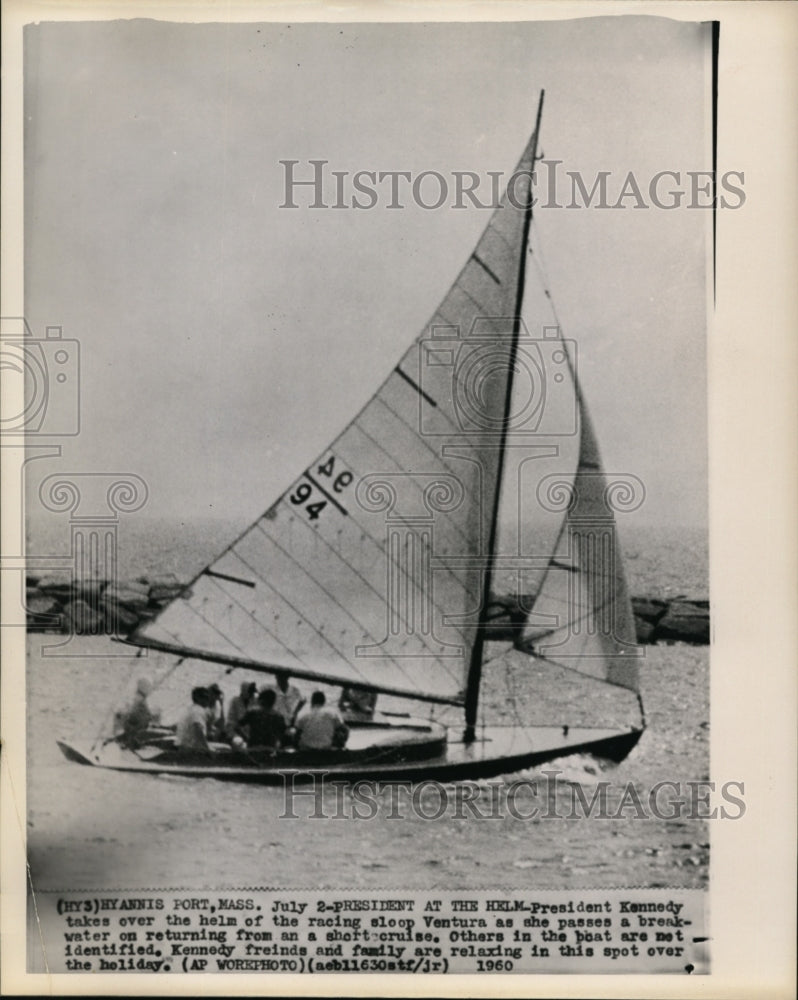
(475, 666)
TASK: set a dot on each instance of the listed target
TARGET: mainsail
(370, 569)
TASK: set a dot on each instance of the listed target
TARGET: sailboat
(376, 568)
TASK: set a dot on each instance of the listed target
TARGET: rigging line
(320, 634)
(155, 685)
(362, 626)
(539, 252)
(536, 255)
(510, 684)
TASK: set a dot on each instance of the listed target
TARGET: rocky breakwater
(672, 619)
(60, 603)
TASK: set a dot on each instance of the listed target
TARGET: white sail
(582, 617)
(370, 569)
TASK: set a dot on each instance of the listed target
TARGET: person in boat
(263, 725)
(239, 706)
(132, 723)
(216, 713)
(357, 703)
(192, 729)
(321, 728)
(288, 700)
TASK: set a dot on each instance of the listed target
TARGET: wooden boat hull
(402, 755)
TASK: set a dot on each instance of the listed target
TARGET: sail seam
(296, 610)
(366, 631)
(376, 542)
(378, 545)
(357, 573)
(396, 465)
(401, 419)
(199, 614)
(262, 625)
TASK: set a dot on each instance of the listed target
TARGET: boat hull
(401, 757)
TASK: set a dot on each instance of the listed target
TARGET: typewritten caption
(645, 931)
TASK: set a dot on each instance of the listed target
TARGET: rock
(119, 618)
(89, 590)
(650, 609)
(644, 630)
(684, 621)
(58, 584)
(43, 613)
(164, 587)
(82, 619)
(504, 617)
(131, 595)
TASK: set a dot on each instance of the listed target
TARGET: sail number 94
(313, 494)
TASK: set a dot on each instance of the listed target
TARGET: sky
(225, 340)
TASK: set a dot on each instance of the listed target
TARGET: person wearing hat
(133, 722)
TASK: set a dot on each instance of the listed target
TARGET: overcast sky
(225, 340)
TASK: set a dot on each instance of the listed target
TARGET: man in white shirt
(321, 728)
(192, 729)
(288, 701)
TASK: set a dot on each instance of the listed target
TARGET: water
(89, 828)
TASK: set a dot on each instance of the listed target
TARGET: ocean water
(660, 561)
(89, 828)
